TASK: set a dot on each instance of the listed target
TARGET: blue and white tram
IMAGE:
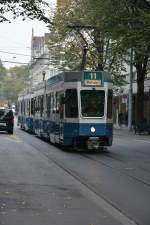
(71, 108)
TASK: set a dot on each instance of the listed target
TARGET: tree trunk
(84, 58)
(140, 94)
(141, 72)
(99, 45)
(99, 67)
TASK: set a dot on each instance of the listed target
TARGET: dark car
(6, 120)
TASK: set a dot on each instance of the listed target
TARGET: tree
(16, 80)
(80, 37)
(129, 23)
(2, 71)
(33, 9)
(2, 76)
(118, 27)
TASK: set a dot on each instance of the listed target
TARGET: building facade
(40, 66)
(121, 100)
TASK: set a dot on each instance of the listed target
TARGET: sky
(15, 39)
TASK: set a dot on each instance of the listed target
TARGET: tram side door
(61, 116)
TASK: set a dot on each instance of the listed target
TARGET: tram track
(99, 197)
(116, 169)
(100, 200)
(111, 156)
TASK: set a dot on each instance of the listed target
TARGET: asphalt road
(41, 184)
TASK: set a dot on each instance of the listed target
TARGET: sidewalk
(124, 131)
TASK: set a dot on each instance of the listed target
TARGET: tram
(70, 109)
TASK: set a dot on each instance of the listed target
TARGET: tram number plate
(92, 78)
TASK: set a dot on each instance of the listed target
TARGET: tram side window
(61, 106)
(48, 103)
(71, 103)
(27, 107)
(32, 106)
(41, 105)
(35, 105)
(53, 103)
(23, 107)
(19, 107)
(109, 104)
(38, 105)
(57, 102)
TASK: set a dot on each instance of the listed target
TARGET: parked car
(6, 120)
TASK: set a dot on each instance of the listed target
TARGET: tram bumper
(93, 143)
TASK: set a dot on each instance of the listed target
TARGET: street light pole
(130, 91)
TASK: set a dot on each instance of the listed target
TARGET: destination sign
(93, 82)
(92, 78)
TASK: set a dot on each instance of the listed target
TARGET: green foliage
(2, 71)
(130, 25)
(33, 9)
(118, 25)
(70, 34)
(15, 81)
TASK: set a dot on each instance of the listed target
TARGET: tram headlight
(93, 129)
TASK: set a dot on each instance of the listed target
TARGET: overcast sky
(15, 38)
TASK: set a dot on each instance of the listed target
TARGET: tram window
(32, 106)
(29, 107)
(57, 102)
(36, 104)
(23, 107)
(92, 103)
(53, 103)
(61, 106)
(26, 107)
(19, 108)
(48, 103)
(71, 103)
(41, 105)
(109, 104)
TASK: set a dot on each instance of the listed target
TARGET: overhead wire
(14, 53)
(7, 61)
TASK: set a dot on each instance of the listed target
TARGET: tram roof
(72, 76)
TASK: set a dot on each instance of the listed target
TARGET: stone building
(41, 63)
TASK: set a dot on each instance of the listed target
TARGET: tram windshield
(92, 103)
